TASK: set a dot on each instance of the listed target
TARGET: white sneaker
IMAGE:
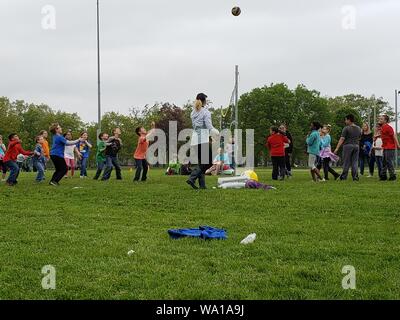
(369, 176)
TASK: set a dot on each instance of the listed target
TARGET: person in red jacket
(389, 144)
(276, 146)
(10, 158)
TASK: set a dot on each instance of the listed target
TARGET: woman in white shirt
(200, 142)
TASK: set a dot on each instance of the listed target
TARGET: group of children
(65, 151)
(364, 146)
(79, 151)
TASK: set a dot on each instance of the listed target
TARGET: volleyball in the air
(236, 11)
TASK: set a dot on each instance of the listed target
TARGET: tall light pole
(396, 93)
(98, 72)
(235, 152)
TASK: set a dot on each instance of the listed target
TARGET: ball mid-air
(236, 11)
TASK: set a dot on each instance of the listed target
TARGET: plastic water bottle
(249, 239)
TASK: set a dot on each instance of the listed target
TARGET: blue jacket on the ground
(203, 232)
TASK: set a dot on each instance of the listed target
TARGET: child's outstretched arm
(153, 128)
(24, 152)
(89, 144)
(77, 153)
(71, 143)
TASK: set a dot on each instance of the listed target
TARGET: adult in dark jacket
(366, 157)
(288, 150)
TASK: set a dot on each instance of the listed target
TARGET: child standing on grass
(140, 152)
(84, 147)
(114, 145)
(38, 159)
(3, 150)
(100, 154)
(45, 146)
(377, 149)
(69, 155)
(313, 148)
(10, 158)
(276, 146)
(326, 154)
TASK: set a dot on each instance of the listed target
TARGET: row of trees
(258, 110)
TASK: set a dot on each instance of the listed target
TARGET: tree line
(259, 109)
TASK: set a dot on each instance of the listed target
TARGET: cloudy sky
(159, 50)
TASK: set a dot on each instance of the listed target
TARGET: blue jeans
(14, 172)
(84, 162)
(38, 164)
(379, 163)
(365, 159)
(110, 162)
(141, 164)
(100, 167)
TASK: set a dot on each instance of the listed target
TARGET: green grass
(306, 233)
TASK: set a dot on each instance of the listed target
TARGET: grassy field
(306, 233)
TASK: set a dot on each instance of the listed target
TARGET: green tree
(339, 124)
(364, 106)
(277, 104)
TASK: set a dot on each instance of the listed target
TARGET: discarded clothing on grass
(249, 184)
(203, 232)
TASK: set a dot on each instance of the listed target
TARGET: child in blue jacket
(313, 148)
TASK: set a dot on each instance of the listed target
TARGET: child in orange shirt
(140, 152)
(45, 146)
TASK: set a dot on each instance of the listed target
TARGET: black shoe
(393, 178)
(356, 179)
(191, 183)
(383, 178)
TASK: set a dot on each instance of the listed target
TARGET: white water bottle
(249, 239)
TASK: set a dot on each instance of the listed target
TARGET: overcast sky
(159, 50)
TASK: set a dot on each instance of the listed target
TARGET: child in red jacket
(276, 146)
(10, 158)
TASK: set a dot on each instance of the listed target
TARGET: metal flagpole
(236, 113)
(98, 72)
(396, 93)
